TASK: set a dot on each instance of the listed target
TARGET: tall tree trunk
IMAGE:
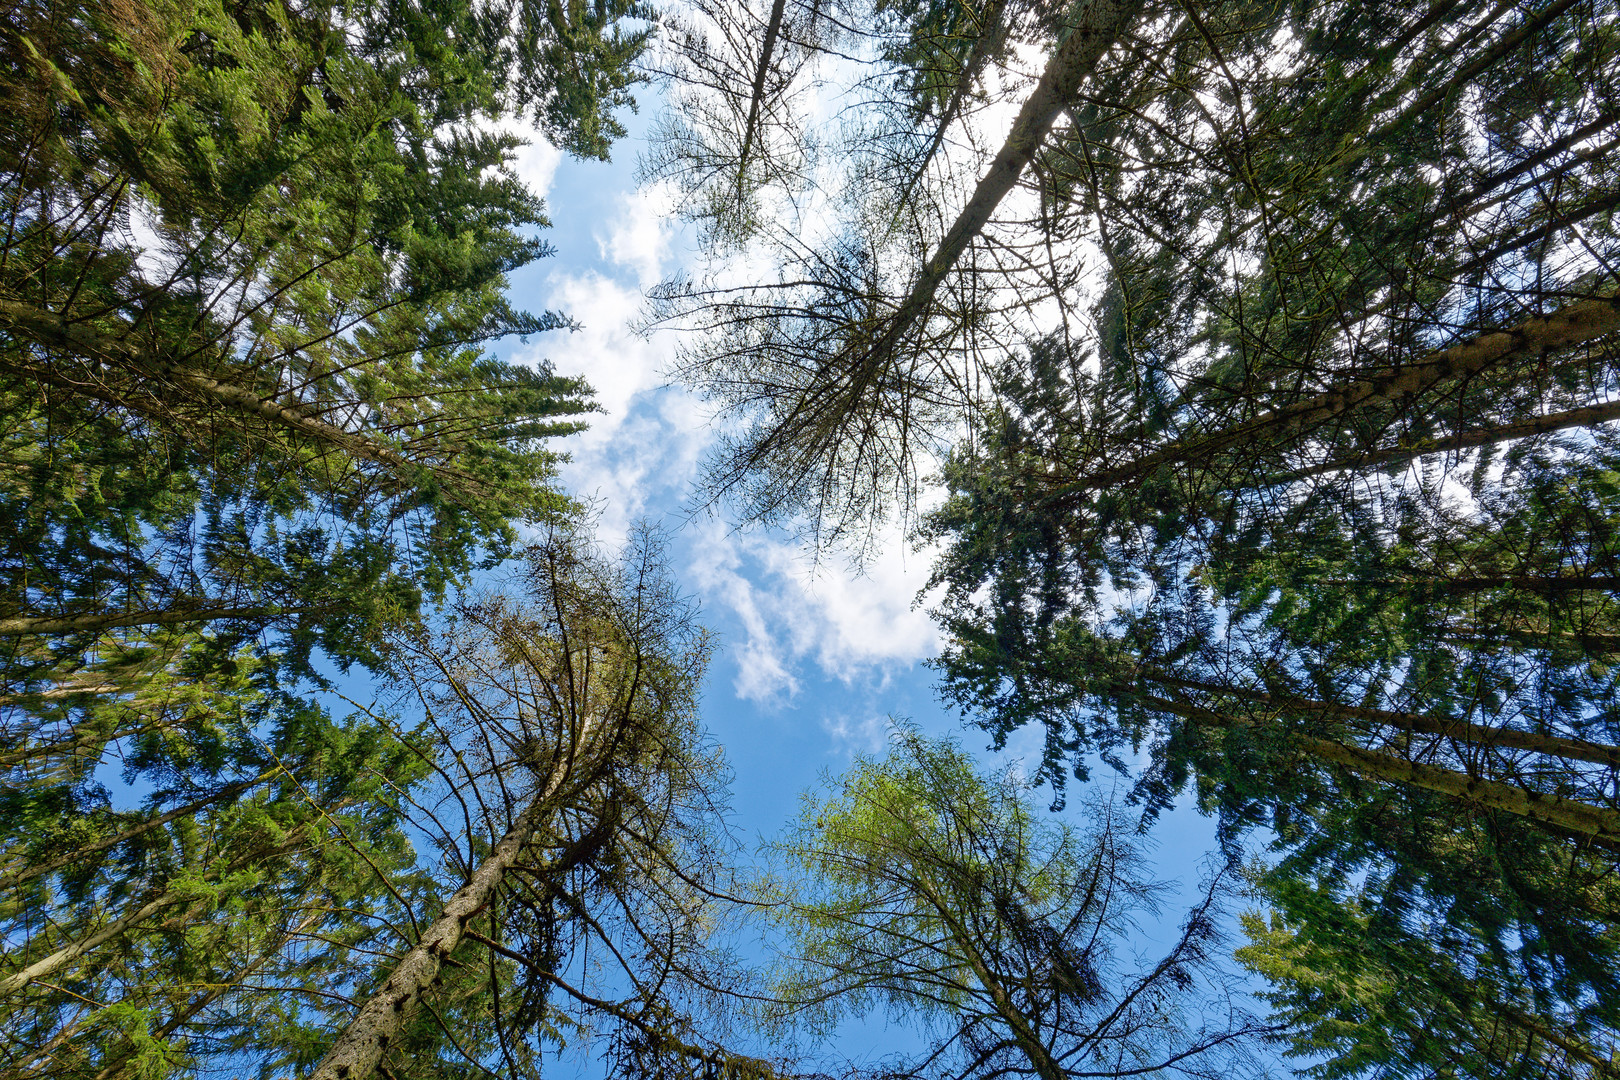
(1460, 586)
(21, 625)
(1569, 815)
(360, 1047)
(1589, 416)
(756, 100)
(1097, 26)
(1476, 734)
(1029, 1042)
(1575, 324)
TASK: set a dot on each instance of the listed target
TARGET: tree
(144, 942)
(244, 304)
(941, 894)
(252, 259)
(584, 858)
(1362, 994)
(841, 368)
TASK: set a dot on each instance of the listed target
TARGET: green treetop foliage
(252, 258)
(924, 887)
(204, 925)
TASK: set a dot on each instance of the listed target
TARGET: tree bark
(1477, 734)
(360, 1047)
(1099, 25)
(1589, 416)
(1570, 815)
(1580, 322)
(22, 625)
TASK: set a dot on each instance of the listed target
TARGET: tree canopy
(1265, 353)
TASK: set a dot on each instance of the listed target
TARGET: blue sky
(813, 658)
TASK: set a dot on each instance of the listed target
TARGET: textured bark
(1589, 416)
(1098, 26)
(1576, 324)
(1567, 815)
(360, 1047)
(19, 626)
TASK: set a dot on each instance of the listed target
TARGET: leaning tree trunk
(1099, 25)
(360, 1047)
(1580, 322)
(1600, 823)
(1417, 723)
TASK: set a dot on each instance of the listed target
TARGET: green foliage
(943, 895)
(1314, 511)
(252, 260)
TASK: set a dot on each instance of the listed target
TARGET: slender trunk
(1040, 1059)
(72, 747)
(1575, 324)
(756, 100)
(1098, 26)
(1459, 586)
(1576, 1049)
(18, 626)
(989, 36)
(1589, 643)
(1477, 734)
(1569, 815)
(62, 957)
(69, 954)
(360, 1047)
(1590, 416)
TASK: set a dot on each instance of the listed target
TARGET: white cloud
(869, 735)
(853, 625)
(536, 163)
(642, 449)
(640, 234)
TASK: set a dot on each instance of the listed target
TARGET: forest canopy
(1247, 369)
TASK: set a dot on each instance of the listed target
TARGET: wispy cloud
(852, 625)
